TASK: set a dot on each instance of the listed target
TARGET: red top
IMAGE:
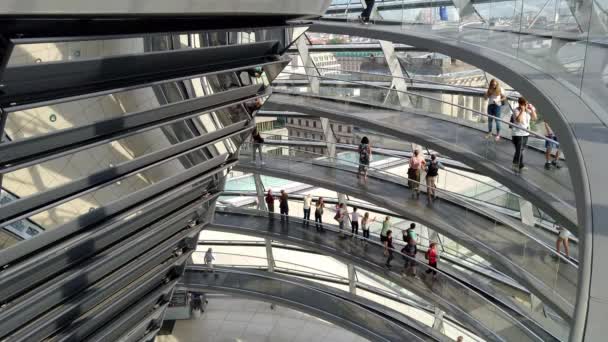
(269, 198)
(432, 254)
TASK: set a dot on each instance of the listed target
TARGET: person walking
(366, 222)
(431, 256)
(257, 142)
(495, 96)
(388, 248)
(413, 172)
(209, 259)
(563, 238)
(367, 11)
(386, 226)
(270, 203)
(410, 233)
(551, 146)
(284, 205)
(365, 156)
(523, 115)
(432, 171)
(354, 222)
(307, 202)
(410, 250)
(319, 214)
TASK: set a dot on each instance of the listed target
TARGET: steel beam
(152, 266)
(259, 189)
(269, 255)
(45, 81)
(78, 279)
(21, 153)
(190, 177)
(45, 200)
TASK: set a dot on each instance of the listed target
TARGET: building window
(291, 121)
(349, 129)
(314, 124)
(314, 137)
(300, 122)
(339, 128)
(306, 122)
(298, 134)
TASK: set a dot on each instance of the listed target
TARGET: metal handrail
(455, 198)
(507, 122)
(407, 79)
(275, 143)
(418, 263)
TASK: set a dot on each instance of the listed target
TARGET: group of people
(416, 165)
(523, 115)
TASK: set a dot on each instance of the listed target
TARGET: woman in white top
(366, 222)
(495, 96)
(307, 201)
(523, 115)
(563, 239)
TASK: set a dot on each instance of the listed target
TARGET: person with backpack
(257, 142)
(431, 256)
(413, 172)
(388, 248)
(365, 156)
(522, 116)
(496, 96)
(284, 206)
(410, 233)
(432, 171)
(270, 203)
(319, 214)
(410, 250)
(341, 215)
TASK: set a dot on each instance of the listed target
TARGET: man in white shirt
(354, 221)
(307, 201)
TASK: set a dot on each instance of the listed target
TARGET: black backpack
(433, 169)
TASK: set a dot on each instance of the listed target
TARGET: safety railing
(489, 316)
(520, 31)
(389, 96)
(558, 278)
(451, 180)
(413, 302)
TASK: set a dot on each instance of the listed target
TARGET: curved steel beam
(361, 316)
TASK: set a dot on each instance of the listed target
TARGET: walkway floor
(447, 293)
(527, 261)
(361, 316)
(549, 190)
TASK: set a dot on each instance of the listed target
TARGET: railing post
(352, 281)
(269, 255)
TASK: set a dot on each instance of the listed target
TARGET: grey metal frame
(156, 264)
(582, 136)
(22, 153)
(41, 201)
(188, 178)
(311, 300)
(42, 82)
(159, 236)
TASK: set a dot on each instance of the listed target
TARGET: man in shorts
(551, 146)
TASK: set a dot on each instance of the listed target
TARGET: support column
(466, 11)
(352, 279)
(314, 80)
(259, 189)
(269, 255)
(398, 80)
(3, 118)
